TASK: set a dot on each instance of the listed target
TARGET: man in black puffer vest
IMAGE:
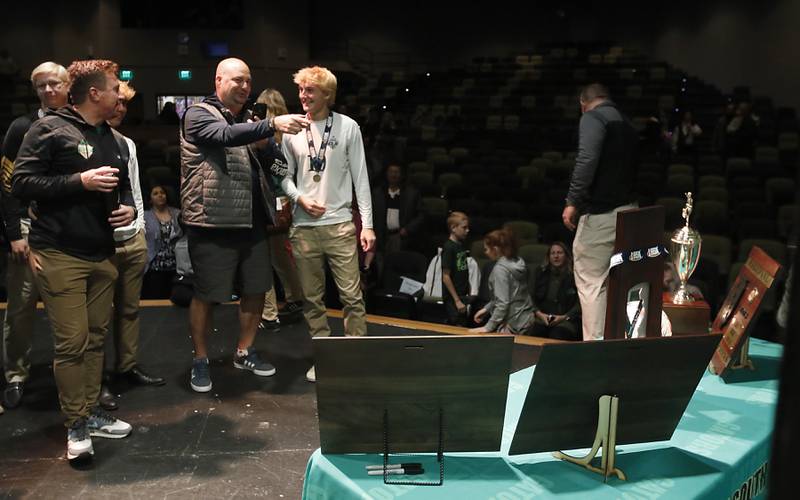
(601, 185)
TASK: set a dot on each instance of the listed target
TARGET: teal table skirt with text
(720, 450)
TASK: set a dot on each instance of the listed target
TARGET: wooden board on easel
(654, 379)
(741, 307)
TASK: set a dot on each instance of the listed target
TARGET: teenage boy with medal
(324, 167)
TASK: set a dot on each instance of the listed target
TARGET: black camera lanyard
(317, 158)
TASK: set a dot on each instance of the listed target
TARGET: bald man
(226, 206)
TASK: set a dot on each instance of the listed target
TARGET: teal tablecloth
(720, 450)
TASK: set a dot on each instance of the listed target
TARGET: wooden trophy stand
(641, 387)
(693, 318)
(740, 310)
(640, 233)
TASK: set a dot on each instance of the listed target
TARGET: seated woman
(510, 309)
(555, 297)
(162, 231)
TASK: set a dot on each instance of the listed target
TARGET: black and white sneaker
(269, 325)
(102, 424)
(252, 362)
(79, 444)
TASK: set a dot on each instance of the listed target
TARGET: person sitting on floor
(555, 297)
(162, 231)
(510, 309)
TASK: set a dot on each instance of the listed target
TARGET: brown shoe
(107, 400)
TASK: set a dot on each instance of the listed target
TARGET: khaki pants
(18, 321)
(284, 264)
(77, 295)
(336, 243)
(592, 249)
(129, 259)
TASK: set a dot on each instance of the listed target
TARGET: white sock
(241, 352)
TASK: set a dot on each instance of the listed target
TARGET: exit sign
(184, 74)
(126, 74)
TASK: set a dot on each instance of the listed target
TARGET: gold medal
(317, 177)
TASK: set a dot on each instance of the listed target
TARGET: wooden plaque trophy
(637, 264)
(740, 310)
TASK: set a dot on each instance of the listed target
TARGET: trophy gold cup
(685, 247)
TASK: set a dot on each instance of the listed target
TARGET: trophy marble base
(693, 318)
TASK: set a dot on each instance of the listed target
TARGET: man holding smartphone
(226, 205)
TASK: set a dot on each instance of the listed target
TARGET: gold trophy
(685, 251)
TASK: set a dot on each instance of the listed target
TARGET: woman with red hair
(510, 309)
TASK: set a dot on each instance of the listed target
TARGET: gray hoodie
(511, 303)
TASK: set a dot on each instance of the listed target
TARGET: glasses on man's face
(53, 84)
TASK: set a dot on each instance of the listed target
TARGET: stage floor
(250, 436)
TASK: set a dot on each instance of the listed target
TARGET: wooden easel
(603, 394)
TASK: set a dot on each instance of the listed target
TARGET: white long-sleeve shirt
(345, 168)
(129, 231)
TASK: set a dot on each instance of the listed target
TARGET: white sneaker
(101, 424)
(311, 375)
(79, 444)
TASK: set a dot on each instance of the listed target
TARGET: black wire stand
(439, 455)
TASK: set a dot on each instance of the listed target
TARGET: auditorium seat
(780, 191)
(713, 194)
(786, 220)
(680, 169)
(773, 248)
(707, 181)
(711, 217)
(525, 231)
(534, 254)
(718, 249)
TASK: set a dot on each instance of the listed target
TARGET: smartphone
(260, 110)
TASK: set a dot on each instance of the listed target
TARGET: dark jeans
(456, 318)
(562, 331)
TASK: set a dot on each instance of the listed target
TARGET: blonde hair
(322, 78)
(455, 218)
(126, 90)
(276, 106)
(50, 67)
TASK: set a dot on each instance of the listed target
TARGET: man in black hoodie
(75, 167)
(601, 185)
